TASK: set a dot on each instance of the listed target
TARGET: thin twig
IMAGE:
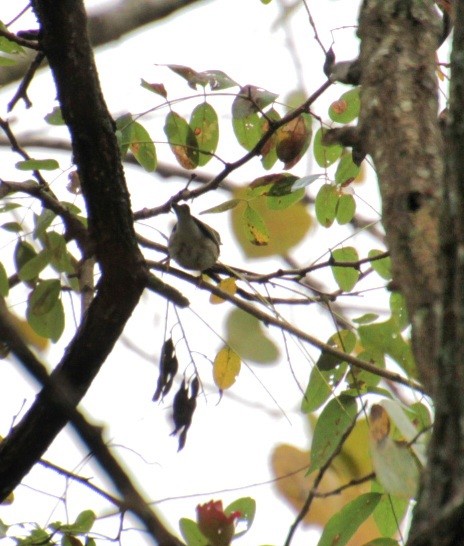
(21, 92)
(312, 494)
(282, 324)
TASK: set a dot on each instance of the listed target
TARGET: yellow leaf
(28, 334)
(227, 285)
(226, 367)
(286, 227)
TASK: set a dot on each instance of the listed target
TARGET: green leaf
(7, 61)
(336, 418)
(381, 267)
(84, 522)
(60, 258)
(325, 155)
(268, 151)
(389, 512)
(31, 269)
(326, 205)
(249, 339)
(55, 117)
(191, 533)
(8, 46)
(49, 325)
(9, 206)
(44, 296)
(124, 132)
(42, 222)
(218, 80)
(346, 171)
(366, 318)
(227, 205)
(343, 340)
(284, 201)
(399, 313)
(142, 147)
(205, 126)
(384, 338)
(22, 254)
(38, 164)
(248, 130)
(345, 277)
(182, 140)
(342, 526)
(346, 208)
(346, 108)
(321, 386)
(3, 529)
(4, 284)
(247, 508)
(255, 228)
(14, 227)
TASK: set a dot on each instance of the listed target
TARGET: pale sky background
(230, 441)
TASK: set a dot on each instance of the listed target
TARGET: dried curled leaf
(167, 370)
(183, 408)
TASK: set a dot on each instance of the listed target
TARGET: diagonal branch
(123, 273)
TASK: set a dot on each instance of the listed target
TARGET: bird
(193, 244)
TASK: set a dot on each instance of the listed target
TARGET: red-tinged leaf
(157, 88)
(293, 140)
(182, 140)
(192, 76)
(346, 108)
(143, 147)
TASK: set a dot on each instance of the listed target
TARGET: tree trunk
(423, 216)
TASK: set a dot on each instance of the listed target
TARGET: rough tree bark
(398, 127)
(111, 235)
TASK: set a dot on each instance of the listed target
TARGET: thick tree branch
(65, 43)
(282, 324)
(439, 514)
(398, 127)
(61, 398)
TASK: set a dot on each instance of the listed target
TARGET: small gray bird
(193, 244)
